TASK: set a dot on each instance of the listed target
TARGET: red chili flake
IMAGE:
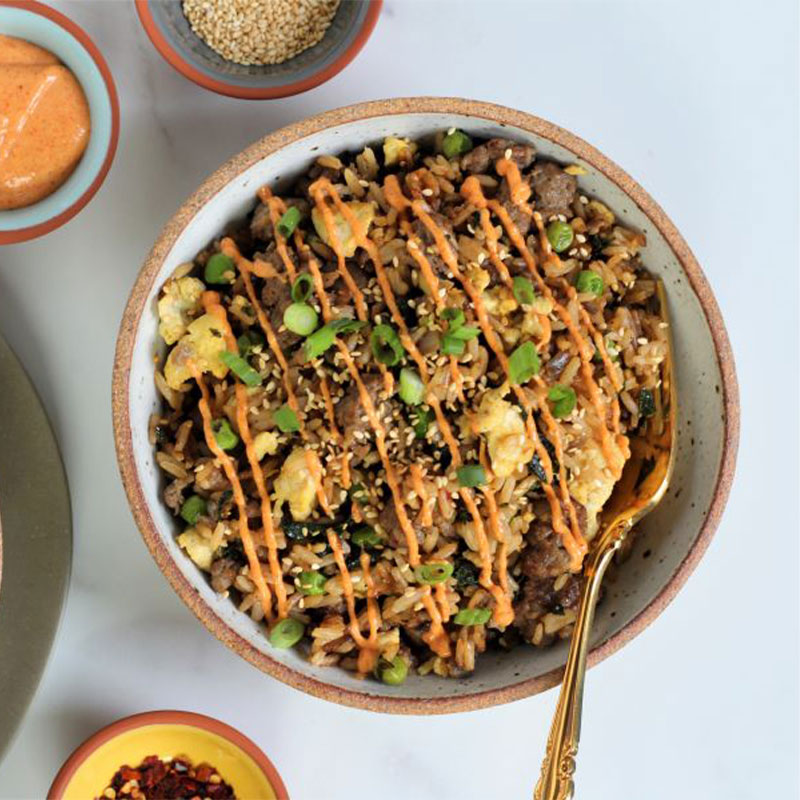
(176, 779)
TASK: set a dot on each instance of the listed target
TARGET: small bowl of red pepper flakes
(160, 755)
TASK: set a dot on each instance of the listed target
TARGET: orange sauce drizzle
(425, 513)
(337, 437)
(204, 405)
(519, 192)
(276, 208)
(395, 197)
(229, 248)
(440, 595)
(367, 646)
(415, 249)
(214, 307)
(504, 612)
(317, 190)
(367, 649)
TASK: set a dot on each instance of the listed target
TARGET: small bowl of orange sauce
(59, 120)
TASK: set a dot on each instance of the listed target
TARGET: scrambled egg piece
(395, 150)
(505, 433)
(181, 301)
(265, 443)
(202, 343)
(478, 277)
(296, 485)
(594, 483)
(499, 301)
(364, 213)
(200, 549)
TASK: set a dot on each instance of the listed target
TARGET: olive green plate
(36, 542)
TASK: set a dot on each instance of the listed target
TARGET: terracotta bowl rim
(167, 717)
(403, 106)
(173, 57)
(40, 229)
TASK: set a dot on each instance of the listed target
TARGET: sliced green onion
(393, 672)
(365, 536)
(433, 573)
(589, 282)
(523, 291)
(523, 363)
(412, 389)
(454, 318)
(563, 399)
(224, 434)
(219, 269)
(386, 345)
(300, 318)
(243, 371)
(319, 342)
(647, 403)
(193, 508)
(559, 234)
(358, 493)
(452, 346)
(473, 616)
(424, 417)
(286, 420)
(456, 144)
(345, 325)
(288, 222)
(311, 583)
(287, 633)
(248, 341)
(302, 287)
(471, 475)
(322, 339)
(453, 339)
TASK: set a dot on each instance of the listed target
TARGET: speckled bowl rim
(189, 718)
(402, 106)
(40, 229)
(174, 59)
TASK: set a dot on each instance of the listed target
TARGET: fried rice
(397, 397)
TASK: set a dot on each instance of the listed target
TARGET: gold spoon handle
(555, 781)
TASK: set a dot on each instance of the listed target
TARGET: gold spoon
(636, 494)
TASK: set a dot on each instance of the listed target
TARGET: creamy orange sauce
(213, 306)
(396, 198)
(44, 123)
(519, 192)
(276, 207)
(429, 276)
(204, 405)
(367, 647)
(504, 612)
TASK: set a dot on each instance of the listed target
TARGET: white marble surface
(698, 100)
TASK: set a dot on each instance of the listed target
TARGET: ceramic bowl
(53, 31)
(173, 37)
(168, 734)
(671, 540)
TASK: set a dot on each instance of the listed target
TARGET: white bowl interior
(665, 537)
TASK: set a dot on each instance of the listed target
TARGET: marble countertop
(696, 100)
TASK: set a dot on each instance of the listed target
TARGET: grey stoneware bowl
(173, 37)
(672, 539)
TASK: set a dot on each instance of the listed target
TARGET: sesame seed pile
(260, 31)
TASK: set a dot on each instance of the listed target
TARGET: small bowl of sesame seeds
(167, 754)
(259, 49)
